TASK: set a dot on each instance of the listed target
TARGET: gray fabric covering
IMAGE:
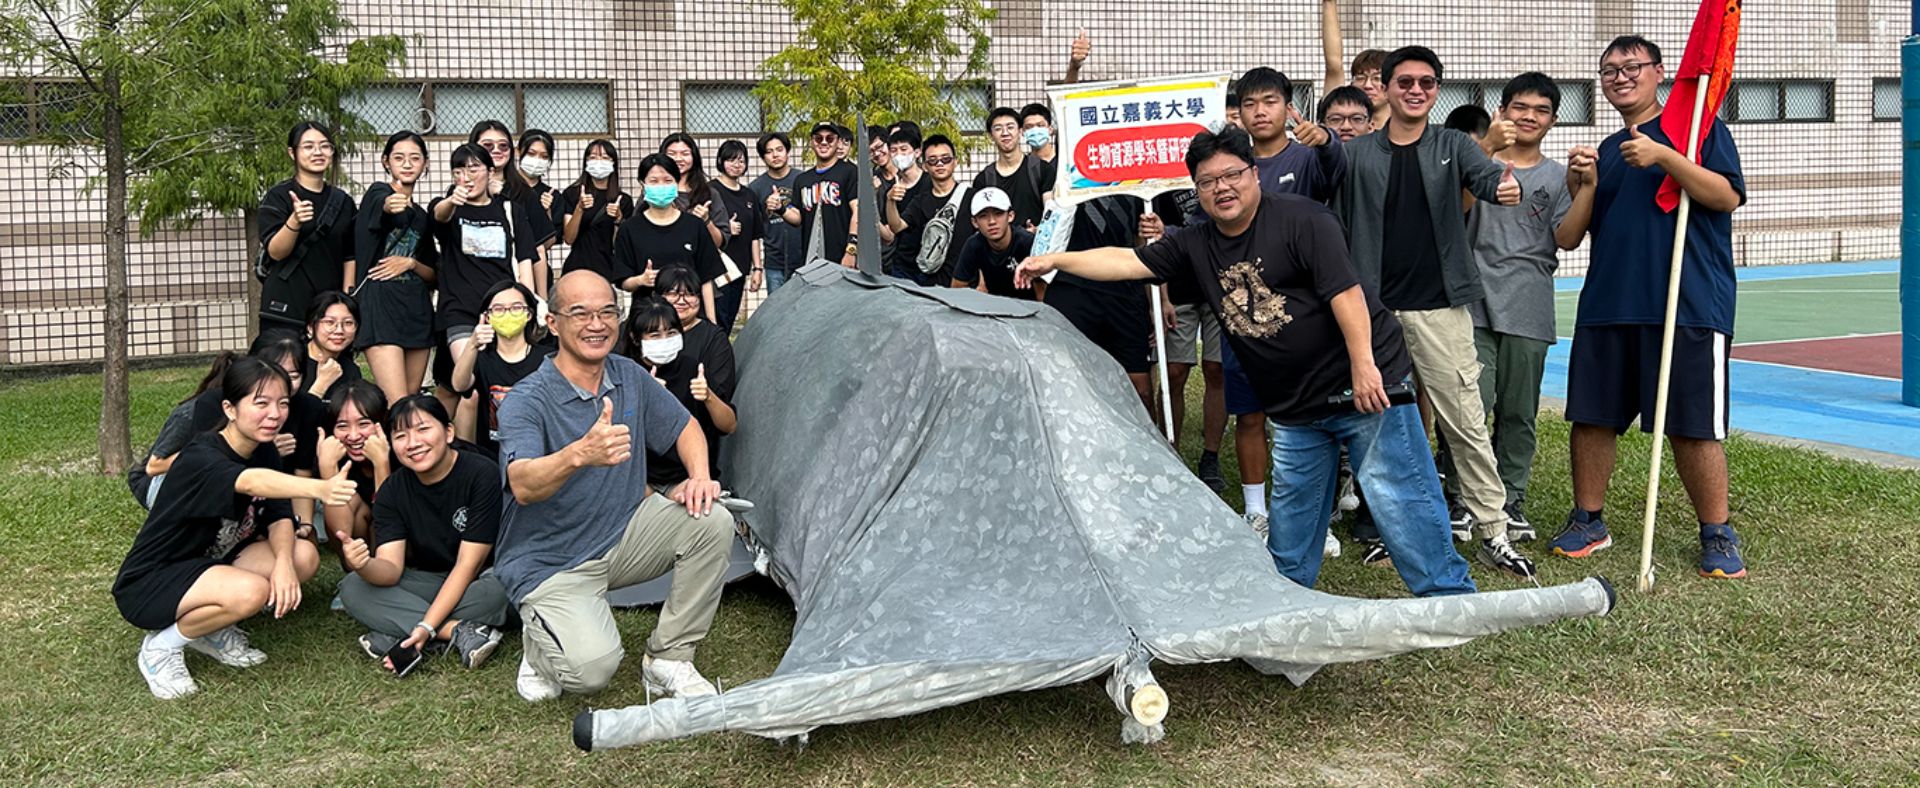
(965, 498)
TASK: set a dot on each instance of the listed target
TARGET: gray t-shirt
(587, 515)
(1514, 248)
(780, 249)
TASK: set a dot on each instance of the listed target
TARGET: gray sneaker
(474, 642)
(376, 644)
(229, 647)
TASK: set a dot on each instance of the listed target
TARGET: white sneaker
(674, 677)
(1258, 522)
(1349, 500)
(229, 647)
(1332, 549)
(533, 686)
(165, 670)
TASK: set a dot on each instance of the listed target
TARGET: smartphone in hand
(402, 659)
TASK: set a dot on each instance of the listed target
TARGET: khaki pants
(569, 634)
(1444, 357)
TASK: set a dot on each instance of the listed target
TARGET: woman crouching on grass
(354, 436)
(427, 580)
(218, 546)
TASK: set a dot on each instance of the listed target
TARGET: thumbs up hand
(1307, 132)
(586, 200)
(337, 489)
(647, 276)
(353, 552)
(302, 211)
(1640, 151)
(1082, 46)
(613, 208)
(1509, 192)
(1500, 135)
(606, 444)
(699, 385)
(397, 202)
(546, 200)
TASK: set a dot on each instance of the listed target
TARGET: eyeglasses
(1408, 82)
(679, 295)
(510, 309)
(1630, 70)
(316, 147)
(1005, 128)
(1347, 120)
(1366, 78)
(605, 314)
(937, 161)
(825, 139)
(338, 324)
(1227, 178)
(497, 145)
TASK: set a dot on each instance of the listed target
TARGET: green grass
(1804, 673)
(1819, 306)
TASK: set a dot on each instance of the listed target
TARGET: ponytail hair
(215, 374)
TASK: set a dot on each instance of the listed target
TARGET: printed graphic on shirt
(460, 519)
(498, 394)
(1249, 308)
(233, 532)
(821, 193)
(487, 241)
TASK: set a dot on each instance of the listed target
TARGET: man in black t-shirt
(1027, 180)
(1324, 357)
(426, 576)
(825, 202)
(987, 260)
(928, 219)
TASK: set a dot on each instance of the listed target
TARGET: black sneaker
(1499, 554)
(1461, 520)
(474, 642)
(1518, 529)
(1209, 472)
(1376, 556)
(376, 645)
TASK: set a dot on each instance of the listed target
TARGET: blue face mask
(661, 195)
(1037, 138)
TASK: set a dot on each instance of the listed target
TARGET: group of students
(1338, 279)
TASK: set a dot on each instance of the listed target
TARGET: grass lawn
(1804, 673)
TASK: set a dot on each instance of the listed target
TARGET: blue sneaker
(1720, 553)
(1580, 539)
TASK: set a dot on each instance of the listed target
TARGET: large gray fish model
(965, 498)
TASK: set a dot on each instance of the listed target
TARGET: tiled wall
(1817, 191)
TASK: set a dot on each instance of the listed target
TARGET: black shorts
(1614, 371)
(1119, 324)
(152, 601)
(395, 314)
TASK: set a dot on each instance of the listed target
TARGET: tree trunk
(116, 449)
(250, 224)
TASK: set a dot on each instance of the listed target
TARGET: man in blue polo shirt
(1616, 340)
(578, 518)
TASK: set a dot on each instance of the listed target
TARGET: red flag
(1709, 51)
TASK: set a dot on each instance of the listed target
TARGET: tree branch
(73, 57)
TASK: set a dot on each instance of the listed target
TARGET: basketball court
(1816, 355)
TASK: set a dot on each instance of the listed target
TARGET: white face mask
(660, 351)
(903, 161)
(534, 166)
(599, 169)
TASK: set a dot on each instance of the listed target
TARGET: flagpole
(1160, 356)
(1666, 342)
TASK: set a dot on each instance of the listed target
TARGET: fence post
(1910, 215)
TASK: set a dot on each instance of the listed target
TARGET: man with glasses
(1346, 112)
(579, 520)
(1323, 354)
(1615, 361)
(1401, 206)
(827, 199)
(911, 217)
(1026, 179)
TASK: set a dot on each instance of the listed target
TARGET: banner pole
(1160, 359)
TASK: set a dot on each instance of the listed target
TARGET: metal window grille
(458, 107)
(1886, 98)
(388, 108)
(1807, 100)
(720, 109)
(566, 108)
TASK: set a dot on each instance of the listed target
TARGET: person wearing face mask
(536, 158)
(905, 175)
(1036, 132)
(333, 320)
(507, 182)
(354, 441)
(742, 213)
(595, 206)
(694, 360)
(506, 347)
(306, 231)
(393, 271)
(664, 235)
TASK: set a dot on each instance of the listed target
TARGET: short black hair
(470, 153)
(404, 136)
(729, 150)
(247, 375)
(1231, 140)
(531, 136)
(300, 130)
(999, 112)
(1532, 82)
(651, 314)
(1033, 109)
(938, 139)
(660, 160)
(773, 136)
(845, 134)
(1233, 100)
(877, 132)
(402, 413)
(1628, 43)
(1469, 118)
(1263, 79)
(277, 346)
(1415, 53)
(363, 395)
(908, 132)
(676, 277)
(1345, 94)
(317, 308)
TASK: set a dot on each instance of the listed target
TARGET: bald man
(578, 519)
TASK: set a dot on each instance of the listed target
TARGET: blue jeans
(774, 279)
(1392, 465)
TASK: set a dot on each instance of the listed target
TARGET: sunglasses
(1407, 83)
(938, 161)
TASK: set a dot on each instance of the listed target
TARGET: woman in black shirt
(306, 231)
(595, 206)
(663, 235)
(744, 217)
(219, 544)
(352, 433)
(536, 157)
(393, 268)
(696, 197)
(333, 322)
(507, 346)
(693, 360)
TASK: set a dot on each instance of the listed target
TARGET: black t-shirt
(917, 208)
(494, 377)
(1104, 222)
(592, 248)
(704, 343)
(685, 241)
(742, 205)
(977, 260)
(557, 212)
(478, 248)
(198, 514)
(305, 413)
(1410, 258)
(291, 284)
(539, 228)
(827, 196)
(379, 234)
(1024, 188)
(434, 519)
(349, 372)
(1273, 287)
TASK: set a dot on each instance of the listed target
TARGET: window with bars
(1575, 109)
(1773, 101)
(1886, 98)
(34, 108)
(451, 109)
(970, 102)
(721, 109)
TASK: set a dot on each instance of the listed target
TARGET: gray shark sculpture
(964, 498)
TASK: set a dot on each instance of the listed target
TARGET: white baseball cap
(991, 197)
